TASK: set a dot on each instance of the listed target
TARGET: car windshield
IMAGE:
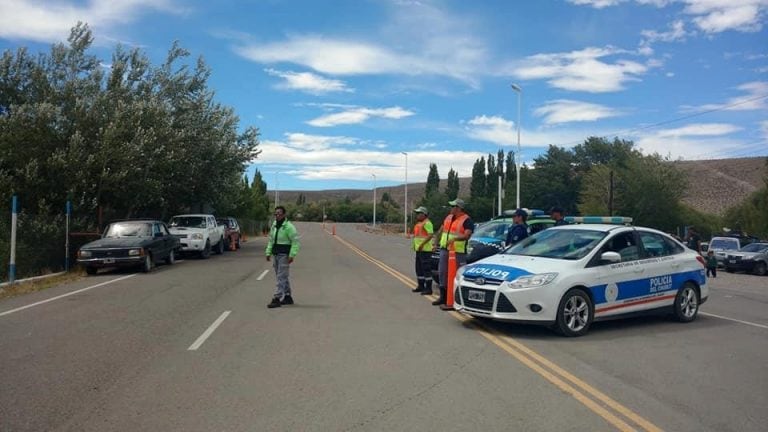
(569, 244)
(224, 222)
(497, 230)
(188, 221)
(727, 244)
(755, 247)
(129, 229)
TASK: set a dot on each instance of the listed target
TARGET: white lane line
(66, 295)
(735, 320)
(261, 276)
(206, 334)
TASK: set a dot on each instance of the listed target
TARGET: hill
(714, 186)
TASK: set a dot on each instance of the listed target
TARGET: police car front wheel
(575, 313)
(687, 303)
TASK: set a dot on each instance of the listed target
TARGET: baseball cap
(520, 212)
(421, 209)
(457, 203)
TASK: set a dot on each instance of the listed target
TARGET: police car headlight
(457, 278)
(533, 281)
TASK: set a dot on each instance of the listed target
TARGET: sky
(340, 90)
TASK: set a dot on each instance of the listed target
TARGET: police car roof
(616, 220)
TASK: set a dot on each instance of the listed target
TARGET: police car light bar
(618, 220)
(531, 212)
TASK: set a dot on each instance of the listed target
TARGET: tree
(452, 185)
(554, 181)
(433, 181)
(477, 185)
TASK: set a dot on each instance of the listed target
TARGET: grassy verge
(17, 289)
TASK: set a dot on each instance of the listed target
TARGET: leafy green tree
(452, 185)
(478, 182)
(554, 182)
(433, 181)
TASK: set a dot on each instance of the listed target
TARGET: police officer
(423, 232)
(454, 233)
(519, 230)
(558, 215)
(283, 245)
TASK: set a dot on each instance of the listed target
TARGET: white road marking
(66, 295)
(206, 334)
(735, 320)
(261, 276)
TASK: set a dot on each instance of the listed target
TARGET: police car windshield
(497, 230)
(569, 244)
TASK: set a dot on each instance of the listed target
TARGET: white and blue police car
(572, 275)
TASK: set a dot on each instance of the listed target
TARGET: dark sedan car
(130, 243)
(752, 258)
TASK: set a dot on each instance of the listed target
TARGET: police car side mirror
(610, 257)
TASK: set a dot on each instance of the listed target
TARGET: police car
(570, 276)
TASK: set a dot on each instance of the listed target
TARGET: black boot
(275, 303)
(427, 288)
(287, 300)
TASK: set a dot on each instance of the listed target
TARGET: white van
(721, 246)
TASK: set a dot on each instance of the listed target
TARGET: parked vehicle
(724, 245)
(198, 233)
(569, 276)
(231, 232)
(752, 258)
(130, 243)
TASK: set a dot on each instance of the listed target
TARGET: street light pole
(374, 200)
(405, 207)
(519, 92)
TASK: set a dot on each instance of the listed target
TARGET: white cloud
(355, 115)
(424, 146)
(415, 40)
(352, 164)
(51, 21)
(693, 141)
(581, 70)
(675, 33)
(308, 82)
(753, 99)
(597, 4)
(565, 111)
(764, 129)
(303, 141)
(715, 16)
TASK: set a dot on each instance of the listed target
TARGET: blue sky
(339, 89)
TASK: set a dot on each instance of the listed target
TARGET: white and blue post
(66, 242)
(12, 266)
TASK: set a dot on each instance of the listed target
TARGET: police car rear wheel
(575, 313)
(687, 303)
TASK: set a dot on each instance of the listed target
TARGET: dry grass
(17, 289)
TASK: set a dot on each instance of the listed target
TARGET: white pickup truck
(198, 233)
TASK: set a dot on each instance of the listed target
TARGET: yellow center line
(536, 362)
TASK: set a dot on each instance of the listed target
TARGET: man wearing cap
(422, 244)
(456, 230)
(519, 230)
(558, 215)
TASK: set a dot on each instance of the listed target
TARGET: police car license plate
(478, 296)
(109, 260)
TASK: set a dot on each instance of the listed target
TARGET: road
(192, 347)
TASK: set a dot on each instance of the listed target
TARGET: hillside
(714, 185)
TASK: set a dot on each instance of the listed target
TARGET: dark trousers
(461, 259)
(712, 271)
(424, 270)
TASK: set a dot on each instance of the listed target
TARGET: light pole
(519, 92)
(405, 207)
(374, 200)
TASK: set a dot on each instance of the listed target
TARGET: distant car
(723, 245)
(569, 276)
(231, 232)
(198, 233)
(752, 258)
(130, 243)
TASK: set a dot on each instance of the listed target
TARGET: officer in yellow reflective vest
(454, 234)
(422, 244)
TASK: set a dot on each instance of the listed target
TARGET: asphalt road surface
(192, 347)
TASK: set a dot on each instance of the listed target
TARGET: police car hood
(510, 267)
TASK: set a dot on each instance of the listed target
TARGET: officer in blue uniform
(519, 230)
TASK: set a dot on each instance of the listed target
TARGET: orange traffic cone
(334, 229)
(451, 276)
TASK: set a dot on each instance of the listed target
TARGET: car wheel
(686, 303)
(147, 266)
(91, 270)
(760, 269)
(171, 260)
(220, 247)
(206, 252)
(237, 243)
(575, 313)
